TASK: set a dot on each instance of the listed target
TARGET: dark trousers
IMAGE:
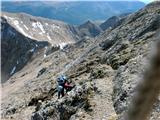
(60, 91)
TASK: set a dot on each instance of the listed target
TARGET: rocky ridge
(113, 21)
(41, 29)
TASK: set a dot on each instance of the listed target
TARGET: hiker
(61, 81)
(63, 84)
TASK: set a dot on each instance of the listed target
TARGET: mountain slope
(89, 29)
(55, 33)
(105, 69)
(41, 29)
(113, 21)
(74, 12)
(16, 49)
(23, 35)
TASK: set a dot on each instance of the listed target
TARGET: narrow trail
(103, 106)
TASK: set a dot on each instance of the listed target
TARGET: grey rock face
(127, 50)
(113, 22)
(16, 49)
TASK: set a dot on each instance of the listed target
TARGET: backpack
(59, 88)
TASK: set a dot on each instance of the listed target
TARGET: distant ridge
(74, 12)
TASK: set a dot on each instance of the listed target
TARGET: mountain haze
(74, 12)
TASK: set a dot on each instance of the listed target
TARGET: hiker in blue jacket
(61, 82)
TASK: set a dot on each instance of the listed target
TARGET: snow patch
(57, 45)
(13, 70)
(62, 45)
(49, 38)
(8, 18)
(55, 26)
(45, 51)
(17, 62)
(5, 16)
(41, 27)
(38, 25)
(26, 27)
(32, 50)
(36, 45)
(34, 25)
(46, 23)
(22, 31)
(16, 23)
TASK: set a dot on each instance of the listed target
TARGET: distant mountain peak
(88, 23)
(113, 21)
(89, 29)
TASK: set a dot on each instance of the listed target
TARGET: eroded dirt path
(102, 101)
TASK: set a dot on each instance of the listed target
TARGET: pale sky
(145, 1)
